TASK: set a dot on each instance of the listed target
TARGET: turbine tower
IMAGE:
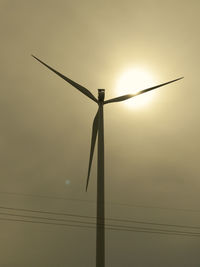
(98, 128)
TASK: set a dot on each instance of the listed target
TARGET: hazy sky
(152, 152)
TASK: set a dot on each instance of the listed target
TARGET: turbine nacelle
(101, 95)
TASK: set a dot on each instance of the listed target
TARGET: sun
(133, 80)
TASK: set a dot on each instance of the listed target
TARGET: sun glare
(132, 81)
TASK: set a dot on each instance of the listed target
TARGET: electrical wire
(106, 219)
(93, 202)
(134, 229)
(93, 225)
(73, 221)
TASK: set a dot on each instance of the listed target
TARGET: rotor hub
(101, 95)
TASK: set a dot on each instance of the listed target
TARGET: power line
(46, 218)
(94, 202)
(133, 229)
(74, 221)
(47, 197)
(90, 217)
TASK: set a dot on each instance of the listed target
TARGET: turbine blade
(76, 85)
(125, 97)
(93, 141)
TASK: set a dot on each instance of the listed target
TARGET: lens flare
(132, 81)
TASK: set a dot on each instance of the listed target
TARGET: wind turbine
(98, 128)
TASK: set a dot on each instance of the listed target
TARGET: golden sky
(151, 153)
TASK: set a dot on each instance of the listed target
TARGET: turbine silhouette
(98, 128)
